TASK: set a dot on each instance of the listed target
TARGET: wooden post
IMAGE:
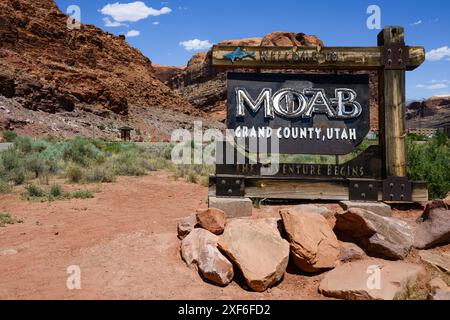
(392, 106)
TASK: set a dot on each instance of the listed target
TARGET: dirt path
(124, 241)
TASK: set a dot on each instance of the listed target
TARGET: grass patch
(6, 218)
(82, 160)
(82, 194)
(33, 191)
(55, 192)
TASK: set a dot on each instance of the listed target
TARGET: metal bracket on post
(363, 190)
(230, 186)
(395, 56)
(397, 189)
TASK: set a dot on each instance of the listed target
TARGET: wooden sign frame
(391, 59)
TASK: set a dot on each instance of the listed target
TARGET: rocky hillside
(205, 87)
(429, 113)
(46, 67)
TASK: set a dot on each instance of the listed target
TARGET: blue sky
(160, 28)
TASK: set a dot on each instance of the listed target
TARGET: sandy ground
(125, 243)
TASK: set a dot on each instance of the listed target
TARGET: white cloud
(196, 44)
(133, 11)
(416, 23)
(437, 86)
(156, 23)
(132, 33)
(111, 24)
(434, 85)
(439, 54)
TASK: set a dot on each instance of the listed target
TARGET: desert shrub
(9, 135)
(204, 181)
(6, 218)
(39, 145)
(80, 150)
(51, 138)
(13, 166)
(23, 144)
(35, 164)
(158, 163)
(100, 174)
(5, 187)
(34, 191)
(56, 191)
(129, 163)
(88, 160)
(74, 173)
(192, 177)
(181, 171)
(430, 162)
(52, 156)
(82, 194)
(167, 151)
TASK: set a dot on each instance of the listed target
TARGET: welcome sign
(309, 114)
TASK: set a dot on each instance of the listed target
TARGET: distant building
(125, 133)
(426, 132)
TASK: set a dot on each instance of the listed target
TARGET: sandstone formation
(440, 261)
(314, 246)
(186, 225)
(200, 248)
(212, 219)
(47, 67)
(359, 280)
(350, 252)
(434, 226)
(439, 289)
(380, 208)
(382, 237)
(257, 248)
(429, 113)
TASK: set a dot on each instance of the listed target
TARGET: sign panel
(309, 114)
(360, 58)
(367, 165)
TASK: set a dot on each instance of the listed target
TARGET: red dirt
(124, 241)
